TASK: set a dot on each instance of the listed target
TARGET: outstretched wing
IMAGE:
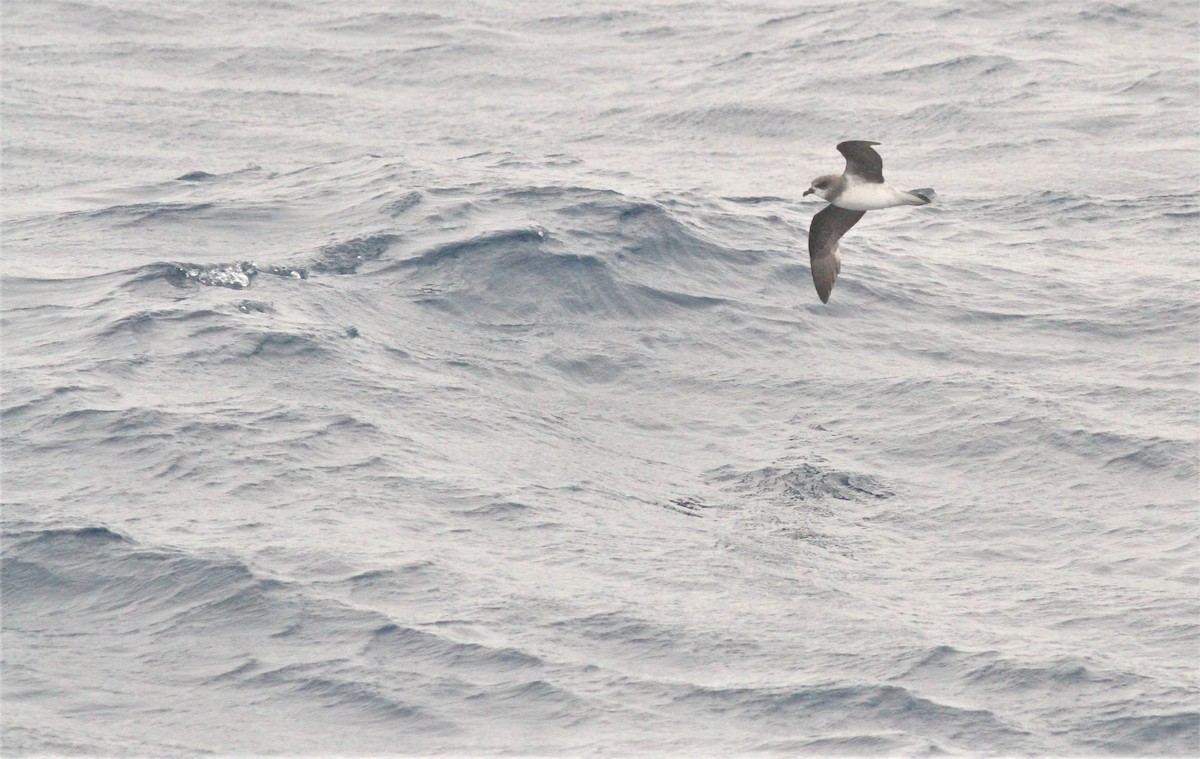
(861, 161)
(826, 229)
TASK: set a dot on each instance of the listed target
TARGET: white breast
(872, 196)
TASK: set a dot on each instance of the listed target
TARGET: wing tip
(825, 270)
(850, 143)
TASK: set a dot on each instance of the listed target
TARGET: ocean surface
(447, 378)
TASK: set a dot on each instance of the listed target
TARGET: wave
(849, 709)
(150, 215)
(595, 254)
(103, 574)
(972, 68)
(348, 256)
(738, 119)
(1010, 685)
(513, 424)
(375, 21)
(800, 484)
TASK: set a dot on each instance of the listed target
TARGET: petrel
(859, 189)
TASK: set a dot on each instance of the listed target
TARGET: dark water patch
(1158, 84)
(682, 300)
(348, 256)
(1104, 448)
(228, 598)
(640, 259)
(588, 369)
(1058, 676)
(403, 204)
(410, 580)
(1171, 734)
(80, 537)
(538, 701)
(554, 160)
(858, 745)
(112, 425)
(754, 200)
(1182, 216)
(491, 244)
(18, 576)
(394, 643)
(969, 67)
(140, 213)
(847, 707)
(942, 661)
(237, 673)
(142, 322)
(1051, 209)
(238, 275)
(1111, 14)
(524, 275)
(648, 232)
(591, 21)
(358, 696)
(1013, 685)
(401, 575)
(100, 575)
(502, 510)
(254, 307)
(688, 506)
(159, 215)
(972, 314)
(1166, 318)
(787, 19)
(196, 176)
(842, 46)
(1175, 458)
(650, 32)
(622, 628)
(568, 200)
(274, 344)
(805, 483)
(799, 502)
(279, 270)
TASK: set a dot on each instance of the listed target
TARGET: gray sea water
(447, 377)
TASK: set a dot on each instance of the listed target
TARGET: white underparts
(872, 196)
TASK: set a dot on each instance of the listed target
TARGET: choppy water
(447, 377)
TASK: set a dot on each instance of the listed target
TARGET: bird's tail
(922, 196)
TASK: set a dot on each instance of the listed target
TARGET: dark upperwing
(861, 160)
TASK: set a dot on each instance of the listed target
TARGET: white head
(823, 186)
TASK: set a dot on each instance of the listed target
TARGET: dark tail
(926, 194)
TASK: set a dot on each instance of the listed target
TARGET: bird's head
(821, 186)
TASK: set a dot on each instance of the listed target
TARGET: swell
(596, 253)
(249, 632)
(1038, 692)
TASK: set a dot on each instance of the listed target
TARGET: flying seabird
(859, 189)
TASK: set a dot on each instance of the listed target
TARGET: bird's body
(873, 196)
(859, 189)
